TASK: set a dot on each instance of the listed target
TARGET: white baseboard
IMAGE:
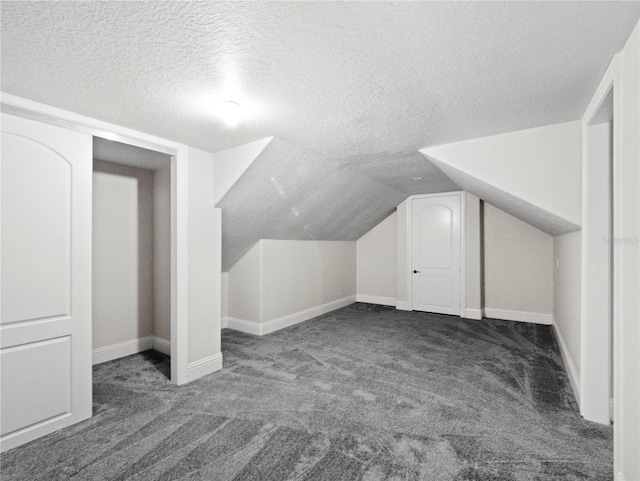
(260, 329)
(224, 322)
(403, 306)
(197, 369)
(475, 314)
(161, 345)
(521, 316)
(121, 349)
(296, 318)
(380, 300)
(127, 348)
(574, 376)
(249, 327)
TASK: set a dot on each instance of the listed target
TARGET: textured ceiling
(350, 90)
(291, 193)
(112, 151)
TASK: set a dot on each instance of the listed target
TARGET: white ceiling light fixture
(230, 112)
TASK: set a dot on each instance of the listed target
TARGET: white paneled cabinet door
(436, 254)
(45, 325)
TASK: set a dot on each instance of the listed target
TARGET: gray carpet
(363, 393)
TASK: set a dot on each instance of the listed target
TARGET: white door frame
(21, 107)
(593, 386)
(463, 249)
(595, 339)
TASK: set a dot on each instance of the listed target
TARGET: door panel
(436, 254)
(36, 231)
(434, 230)
(434, 291)
(36, 382)
(45, 324)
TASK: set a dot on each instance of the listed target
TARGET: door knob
(416, 272)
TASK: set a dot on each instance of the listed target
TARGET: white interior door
(45, 324)
(436, 254)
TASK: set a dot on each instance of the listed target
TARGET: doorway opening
(132, 256)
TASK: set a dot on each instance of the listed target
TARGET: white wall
(597, 282)
(279, 278)
(299, 275)
(162, 252)
(518, 265)
(244, 297)
(541, 166)
(627, 120)
(230, 164)
(204, 259)
(377, 262)
(473, 256)
(567, 298)
(122, 253)
(225, 297)
(402, 222)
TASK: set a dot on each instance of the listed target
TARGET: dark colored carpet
(363, 393)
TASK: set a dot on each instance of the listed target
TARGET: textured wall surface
(300, 275)
(566, 291)
(205, 283)
(244, 286)
(518, 264)
(473, 252)
(629, 124)
(377, 260)
(122, 254)
(162, 252)
(350, 90)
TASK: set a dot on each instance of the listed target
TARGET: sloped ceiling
(533, 174)
(349, 90)
(291, 193)
(532, 214)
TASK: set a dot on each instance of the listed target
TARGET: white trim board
(380, 300)
(475, 314)
(161, 345)
(520, 316)
(572, 370)
(242, 325)
(121, 349)
(403, 306)
(127, 348)
(260, 329)
(202, 367)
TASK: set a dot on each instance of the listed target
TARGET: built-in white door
(436, 254)
(45, 323)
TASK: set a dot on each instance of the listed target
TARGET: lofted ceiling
(290, 192)
(350, 90)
